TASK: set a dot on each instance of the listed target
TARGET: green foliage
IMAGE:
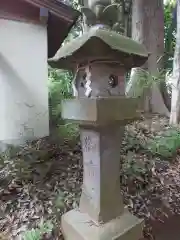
(68, 131)
(169, 30)
(154, 137)
(133, 168)
(38, 233)
(59, 84)
(135, 173)
(167, 144)
(60, 88)
(141, 81)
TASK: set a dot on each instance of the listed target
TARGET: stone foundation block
(79, 226)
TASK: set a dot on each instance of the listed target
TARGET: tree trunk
(148, 29)
(175, 101)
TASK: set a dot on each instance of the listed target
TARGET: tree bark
(148, 29)
(175, 101)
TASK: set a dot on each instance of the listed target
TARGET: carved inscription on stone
(92, 181)
(88, 144)
(90, 170)
(91, 163)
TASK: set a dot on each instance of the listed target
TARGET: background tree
(175, 101)
(148, 29)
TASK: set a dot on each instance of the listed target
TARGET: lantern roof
(101, 45)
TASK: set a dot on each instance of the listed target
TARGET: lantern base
(79, 226)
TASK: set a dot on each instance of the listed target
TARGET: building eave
(61, 10)
(62, 19)
(59, 18)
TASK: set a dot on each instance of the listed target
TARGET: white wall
(23, 81)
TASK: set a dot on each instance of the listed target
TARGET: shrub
(39, 232)
(167, 144)
(135, 169)
(59, 89)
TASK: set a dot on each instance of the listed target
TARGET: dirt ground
(43, 180)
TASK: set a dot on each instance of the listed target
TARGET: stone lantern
(100, 58)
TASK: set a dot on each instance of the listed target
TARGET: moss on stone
(98, 43)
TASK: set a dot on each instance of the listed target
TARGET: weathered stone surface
(79, 226)
(100, 111)
(101, 197)
(108, 45)
(101, 214)
(105, 79)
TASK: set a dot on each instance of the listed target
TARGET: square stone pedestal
(101, 214)
(79, 226)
